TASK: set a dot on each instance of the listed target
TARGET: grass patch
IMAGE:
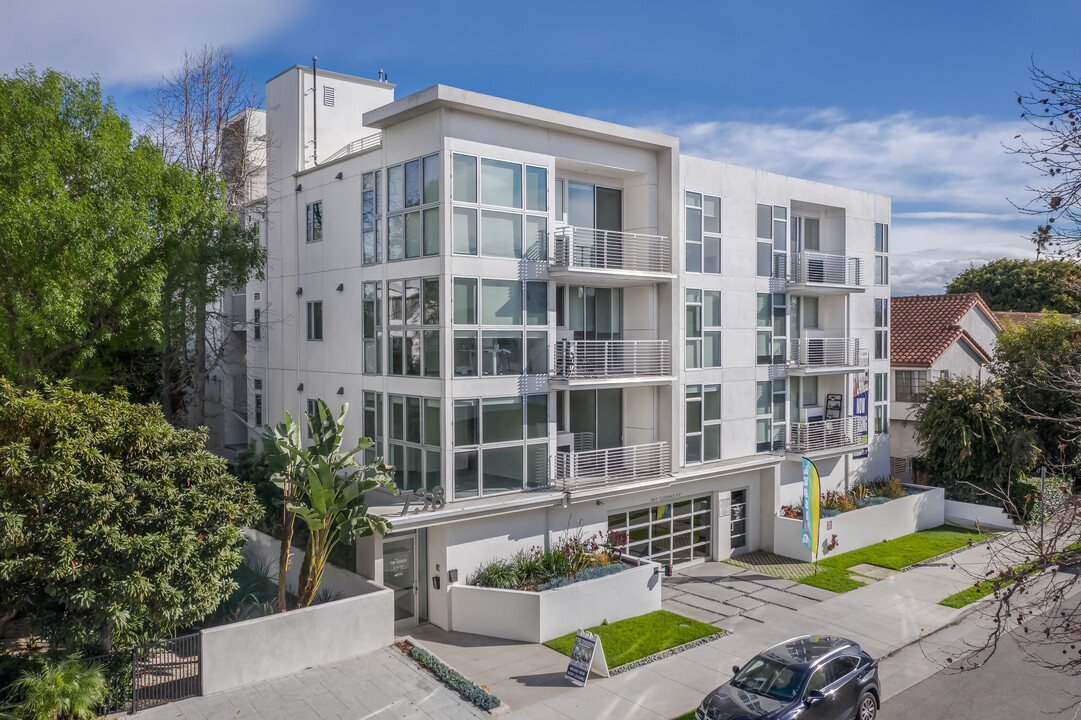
(635, 638)
(966, 597)
(832, 579)
(907, 550)
(685, 716)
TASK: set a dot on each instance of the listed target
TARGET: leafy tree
(114, 525)
(78, 285)
(325, 488)
(200, 121)
(1023, 285)
(970, 436)
(1030, 363)
(60, 689)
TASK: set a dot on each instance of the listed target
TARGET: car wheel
(868, 707)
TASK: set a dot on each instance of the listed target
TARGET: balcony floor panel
(822, 289)
(558, 383)
(825, 453)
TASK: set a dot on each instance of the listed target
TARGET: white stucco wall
(860, 528)
(968, 515)
(539, 617)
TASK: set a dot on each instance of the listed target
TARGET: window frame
(422, 213)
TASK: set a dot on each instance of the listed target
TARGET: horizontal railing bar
(612, 250)
(825, 268)
(611, 358)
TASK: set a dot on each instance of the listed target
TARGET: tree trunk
(197, 416)
(285, 554)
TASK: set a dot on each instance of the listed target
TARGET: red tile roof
(922, 327)
(1023, 318)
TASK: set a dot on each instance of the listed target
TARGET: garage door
(671, 533)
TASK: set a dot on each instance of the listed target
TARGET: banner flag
(811, 495)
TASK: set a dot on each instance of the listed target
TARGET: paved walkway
(384, 685)
(885, 617)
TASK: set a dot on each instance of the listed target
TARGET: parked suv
(814, 677)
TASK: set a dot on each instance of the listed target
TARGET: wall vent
(257, 297)
(328, 96)
(257, 383)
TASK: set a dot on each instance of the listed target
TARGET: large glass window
(373, 327)
(694, 329)
(465, 178)
(501, 302)
(881, 396)
(536, 189)
(703, 429)
(910, 383)
(415, 441)
(711, 333)
(371, 216)
(882, 328)
(465, 301)
(703, 223)
(501, 183)
(882, 258)
(413, 303)
(412, 209)
(501, 234)
(502, 448)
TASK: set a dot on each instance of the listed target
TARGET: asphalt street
(1009, 685)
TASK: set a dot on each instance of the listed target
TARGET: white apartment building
(551, 323)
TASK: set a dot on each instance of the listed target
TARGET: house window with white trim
(371, 218)
(703, 232)
(910, 383)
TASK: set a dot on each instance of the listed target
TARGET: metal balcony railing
(824, 269)
(581, 359)
(827, 352)
(827, 434)
(580, 470)
(611, 250)
(365, 143)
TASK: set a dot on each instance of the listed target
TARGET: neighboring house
(934, 336)
(1021, 318)
(550, 323)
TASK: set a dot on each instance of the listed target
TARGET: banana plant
(286, 459)
(329, 496)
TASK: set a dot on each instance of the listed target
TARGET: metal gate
(166, 671)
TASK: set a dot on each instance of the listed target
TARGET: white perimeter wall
(539, 617)
(967, 515)
(277, 645)
(867, 526)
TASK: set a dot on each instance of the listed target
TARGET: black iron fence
(166, 671)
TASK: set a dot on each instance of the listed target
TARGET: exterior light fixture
(300, 387)
(341, 390)
(341, 286)
(338, 176)
(299, 186)
(300, 291)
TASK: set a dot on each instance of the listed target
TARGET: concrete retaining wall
(967, 514)
(863, 527)
(278, 645)
(541, 616)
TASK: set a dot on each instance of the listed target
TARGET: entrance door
(738, 521)
(399, 574)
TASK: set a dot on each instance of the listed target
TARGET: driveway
(384, 685)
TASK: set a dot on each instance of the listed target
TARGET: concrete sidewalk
(885, 617)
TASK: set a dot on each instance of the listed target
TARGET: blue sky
(910, 99)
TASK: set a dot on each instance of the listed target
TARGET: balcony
(824, 438)
(598, 468)
(823, 273)
(364, 144)
(600, 362)
(816, 356)
(600, 253)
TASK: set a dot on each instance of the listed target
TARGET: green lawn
(971, 595)
(832, 579)
(685, 716)
(635, 638)
(907, 550)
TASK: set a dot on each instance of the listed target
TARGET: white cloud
(946, 163)
(130, 42)
(925, 257)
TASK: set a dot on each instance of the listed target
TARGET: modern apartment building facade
(554, 324)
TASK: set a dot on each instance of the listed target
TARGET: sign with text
(587, 650)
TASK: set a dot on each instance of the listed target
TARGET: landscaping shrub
(1025, 505)
(496, 574)
(453, 679)
(836, 500)
(535, 569)
(590, 573)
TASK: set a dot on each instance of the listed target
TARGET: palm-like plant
(328, 492)
(285, 459)
(63, 688)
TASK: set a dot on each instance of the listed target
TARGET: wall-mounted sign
(434, 500)
(724, 507)
(587, 649)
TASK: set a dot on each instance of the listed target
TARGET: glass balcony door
(596, 419)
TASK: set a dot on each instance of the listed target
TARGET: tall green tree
(79, 287)
(115, 526)
(1034, 364)
(1023, 285)
(971, 437)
